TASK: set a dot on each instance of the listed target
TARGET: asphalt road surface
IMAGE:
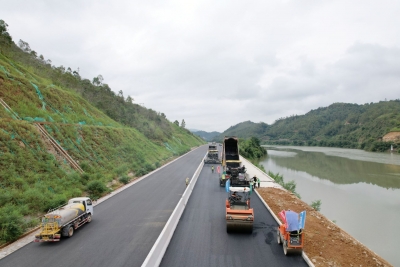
(201, 240)
(124, 228)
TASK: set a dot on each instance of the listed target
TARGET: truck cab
(85, 201)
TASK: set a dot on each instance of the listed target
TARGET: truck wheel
(64, 231)
(279, 237)
(70, 231)
(285, 248)
(89, 218)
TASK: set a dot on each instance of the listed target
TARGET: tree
(33, 53)
(176, 122)
(183, 124)
(5, 37)
(98, 80)
(120, 94)
(24, 46)
(129, 99)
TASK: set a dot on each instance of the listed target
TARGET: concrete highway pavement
(201, 240)
(124, 228)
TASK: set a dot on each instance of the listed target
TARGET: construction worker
(212, 168)
(251, 184)
(258, 182)
(187, 181)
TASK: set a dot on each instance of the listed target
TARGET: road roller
(290, 232)
(239, 214)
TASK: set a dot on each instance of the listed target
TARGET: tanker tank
(66, 213)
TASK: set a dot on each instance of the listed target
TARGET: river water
(359, 190)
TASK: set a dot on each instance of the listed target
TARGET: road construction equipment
(232, 166)
(239, 214)
(63, 221)
(212, 155)
(290, 233)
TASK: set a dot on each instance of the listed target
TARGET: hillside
(208, 136)
(244, 130)
(112, 139)
(338, 125)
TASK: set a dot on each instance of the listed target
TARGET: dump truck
(239, 214)
(290, 232)
(231, 164)
(212, 155)
(64, 220)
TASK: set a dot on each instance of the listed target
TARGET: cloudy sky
(218, 63)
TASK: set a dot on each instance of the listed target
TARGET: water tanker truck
(64, 220)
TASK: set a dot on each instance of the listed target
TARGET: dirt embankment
(325, 243)
(392, 137)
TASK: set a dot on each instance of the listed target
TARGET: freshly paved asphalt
(201, 240)
(124, 228)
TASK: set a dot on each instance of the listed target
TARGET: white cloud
(218, 63)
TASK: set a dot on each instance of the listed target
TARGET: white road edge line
(305, 257)
(157, 252)
(16, 245)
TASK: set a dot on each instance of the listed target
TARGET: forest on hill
(208, 136)
(112, 139)
(338, 125)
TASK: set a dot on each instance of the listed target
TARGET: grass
(34, 178)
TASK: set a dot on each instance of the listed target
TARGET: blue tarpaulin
(227, 185)
(292, 219)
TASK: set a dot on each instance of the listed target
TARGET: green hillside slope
(244, 130)
(112, 139)
(338, 125)
(208, 136)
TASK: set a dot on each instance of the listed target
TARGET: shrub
(96, 189)
(124, 179)
(121, 169)
(316, 205)
(290, 186)
(56, 201)
(11, 223)
(148, 167)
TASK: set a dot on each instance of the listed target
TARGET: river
(359, 190)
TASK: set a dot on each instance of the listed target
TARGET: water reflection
(337, 169)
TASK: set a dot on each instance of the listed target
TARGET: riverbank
(325, 243)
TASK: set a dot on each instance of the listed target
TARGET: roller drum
(239, 227)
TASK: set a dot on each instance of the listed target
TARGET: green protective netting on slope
(12, 113)
(28, 119)
(3, 69)
(47, 103)
(16, 69)
(38, 119)
(169, 147)
(39, 95)
(177, 139)
(87, 114)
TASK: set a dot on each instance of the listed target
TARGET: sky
(218, 63)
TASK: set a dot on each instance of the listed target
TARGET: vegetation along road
(124, 228)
